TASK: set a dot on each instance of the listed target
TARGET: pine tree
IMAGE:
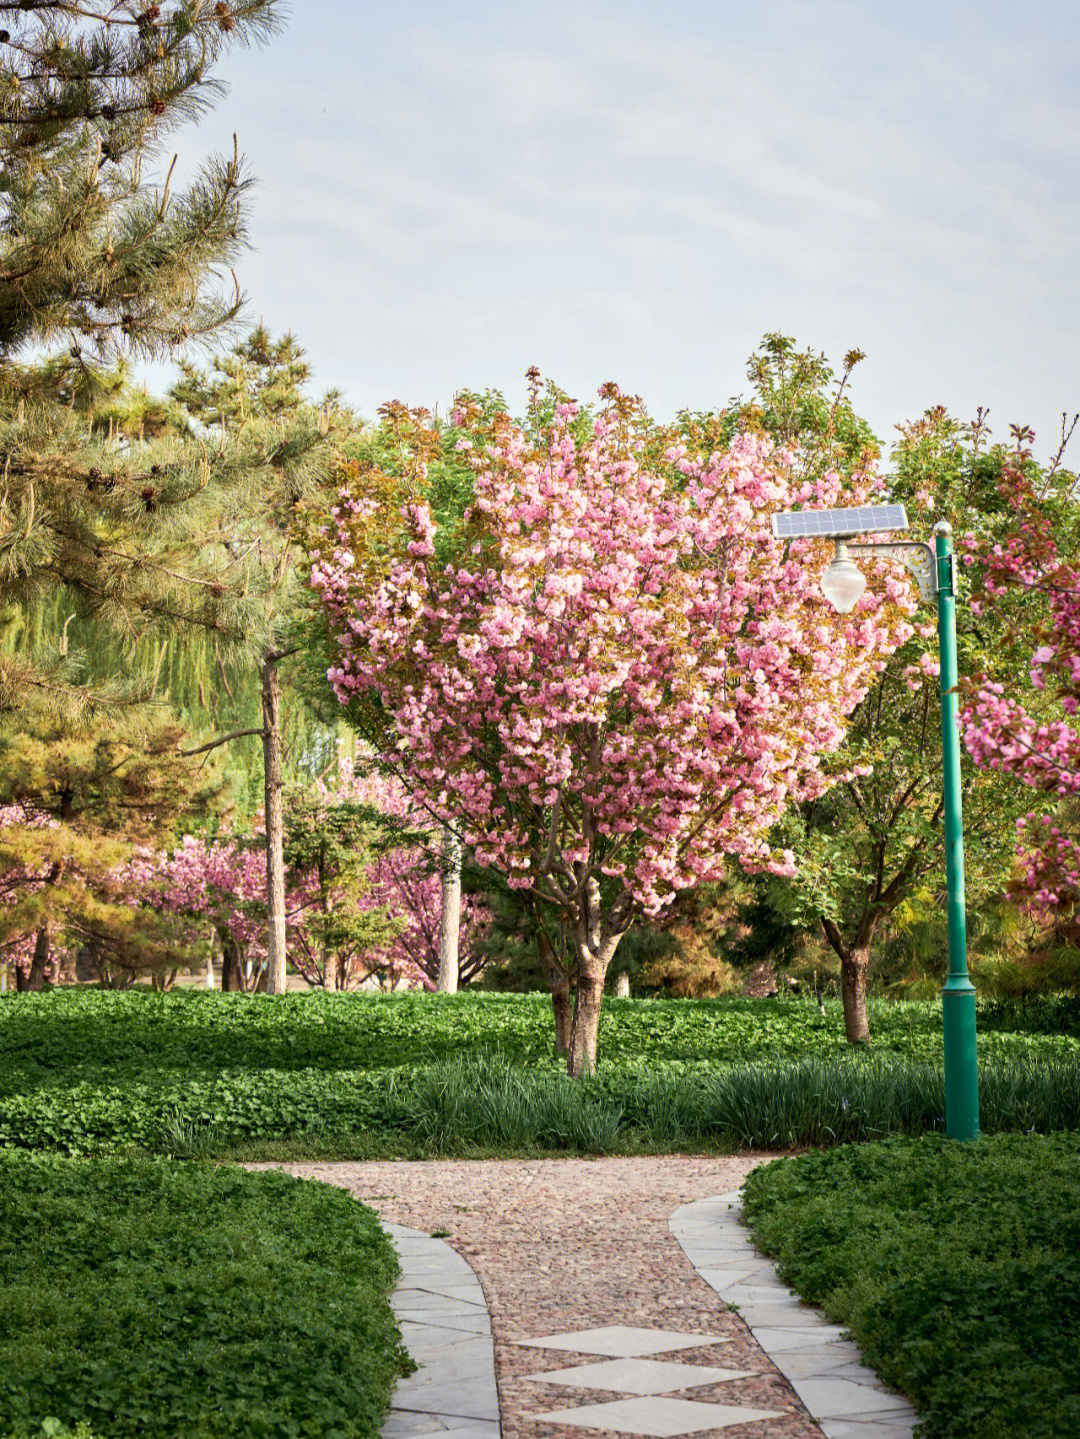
(253, 396)
(97, 258)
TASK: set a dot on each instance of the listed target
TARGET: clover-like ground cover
(955, 1267)
(353, 1076)
(190, 1302)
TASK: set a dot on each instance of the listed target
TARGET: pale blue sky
(639, 191)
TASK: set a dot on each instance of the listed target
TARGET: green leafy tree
(871, 851)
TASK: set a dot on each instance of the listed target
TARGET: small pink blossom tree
(618, 679)
(1036, 737)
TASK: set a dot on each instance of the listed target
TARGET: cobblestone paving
(568, 1245)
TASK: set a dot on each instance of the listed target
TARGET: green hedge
(143, 1298)
(955, 1267)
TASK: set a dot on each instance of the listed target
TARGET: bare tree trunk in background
(450, 919)
(622, 985)
(232, 980)
(36, 977)
(275, 827)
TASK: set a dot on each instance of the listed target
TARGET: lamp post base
(961, 1062)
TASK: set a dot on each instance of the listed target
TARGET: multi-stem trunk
(275, 827)
(450, 916)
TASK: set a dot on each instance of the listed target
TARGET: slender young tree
(252, 397)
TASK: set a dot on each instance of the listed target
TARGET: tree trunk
(35, 980)
(450, 917)
(622, 985)
(275, 828)
(231, 976)
(853, 971)
(854, 966)
(559, 983)
(586, 1028)
(331, 970)
(593, 961)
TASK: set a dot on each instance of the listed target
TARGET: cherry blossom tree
(1035, 736)
(618, 679)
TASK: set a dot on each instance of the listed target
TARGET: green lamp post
(935, 570)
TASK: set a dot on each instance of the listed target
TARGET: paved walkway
(602, 1324)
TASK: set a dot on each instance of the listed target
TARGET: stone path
(602, 1324)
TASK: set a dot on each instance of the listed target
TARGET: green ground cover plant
(954, 1266)
(184, 1090)
(220, 1076)
(143, 1297)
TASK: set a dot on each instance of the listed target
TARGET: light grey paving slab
(445, 1325)
(621, 1341)
(845, 1398)
(465, 1398)
(837, 1398)
(639, 1376)
(461, 1429)
(653, 1416)
(775, 1339)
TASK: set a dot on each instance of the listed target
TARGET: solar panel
(836, 524)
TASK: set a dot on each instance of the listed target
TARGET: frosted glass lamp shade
(843, 582)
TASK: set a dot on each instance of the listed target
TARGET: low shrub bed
(954, 1266)
(462, 1106)
(139, 1297)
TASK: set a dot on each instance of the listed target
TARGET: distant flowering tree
(618, 679)
(1036, 738)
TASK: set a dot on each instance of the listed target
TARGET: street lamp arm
(918, 557)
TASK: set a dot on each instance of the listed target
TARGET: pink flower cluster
(1042, 750)
(622, 674)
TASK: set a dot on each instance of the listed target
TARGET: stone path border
(444, 1322)
(846, 1398)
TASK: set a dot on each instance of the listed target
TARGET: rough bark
(35, 980)
(232, 980)
(559, 983)
(593, 961)
(275, 828)
(853, 972)
(450, 915)
(331, 971)
(586, 1027)
(854, 967)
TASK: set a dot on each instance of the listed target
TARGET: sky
(638, 192)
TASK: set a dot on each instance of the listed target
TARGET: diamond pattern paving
(620, 1341)
(660, 1417)
(639, 1376)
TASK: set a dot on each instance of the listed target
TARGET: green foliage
(138, 1297)
(351, 1075)
(955, 1267)
(98, 257)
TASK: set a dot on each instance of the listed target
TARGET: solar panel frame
(838, 524)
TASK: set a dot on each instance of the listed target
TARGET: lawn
(190, 1302)
(354, 1076)
(954, 1266)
